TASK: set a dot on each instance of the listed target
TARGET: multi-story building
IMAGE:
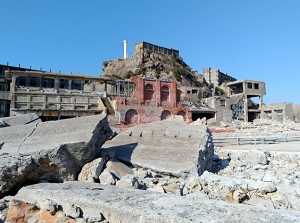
(56, 96)
(241, 92)
(216, 77)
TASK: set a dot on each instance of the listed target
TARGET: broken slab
(53, 151)
(118, 168)
(171, 146)
(19, 120)
(128, 205)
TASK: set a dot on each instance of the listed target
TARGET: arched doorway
(131, 117)
(165, 114)
(182, 113)
(164, 93)
(148, 92)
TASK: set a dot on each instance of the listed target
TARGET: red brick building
(152, 100)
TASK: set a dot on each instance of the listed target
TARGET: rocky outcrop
(49, 151)
(90, 202)
(154, 65)
(170, 147)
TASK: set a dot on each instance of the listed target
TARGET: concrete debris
(171, 146)
(107, 178)
(91, 171)
(128, 181)
(126, 205)
(52, 151)
(118, 168)
(165, 171)
(19, 120)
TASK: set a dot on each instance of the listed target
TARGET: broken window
(148, 92)
(250, 85)
(256, 86)
(35, 82)
(76, 85)
(47, 83)
(194, 91)
(64, 84)
(164, 93)
(188, 92)
(21, 81)
(222, 102)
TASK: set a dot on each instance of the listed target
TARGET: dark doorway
(201, 115)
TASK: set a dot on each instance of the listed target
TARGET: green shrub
(117, 77)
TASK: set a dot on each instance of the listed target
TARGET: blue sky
(248, 39)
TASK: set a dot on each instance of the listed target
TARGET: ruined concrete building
(241, 92)
(55, 96)
(140, 99)
(216, 77)
(134, 101)
(142, 46)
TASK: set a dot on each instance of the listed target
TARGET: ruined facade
(221, 106)
(191, 94)
(5, 89)
(281, 112)
(216, 77)
(152, 100)
(240, 92)
(141, 46)
(56, 96)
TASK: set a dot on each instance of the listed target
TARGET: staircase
(107, 103)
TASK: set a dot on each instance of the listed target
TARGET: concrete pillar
(245, 102)
(56, 83)
(245, 110)
(27, 81)
(70, 85)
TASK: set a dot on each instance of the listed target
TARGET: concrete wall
(222, 107)
(56, 95)
(155, 48)
(215, 77)
(191, 94)
(296, 112)
(281, 112)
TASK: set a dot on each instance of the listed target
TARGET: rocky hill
(153, 64)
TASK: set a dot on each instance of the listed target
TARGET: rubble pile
(165, 171)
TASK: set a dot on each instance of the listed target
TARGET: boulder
(54, 151)
(170, 147)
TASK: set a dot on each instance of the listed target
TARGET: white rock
(107, 178)
(157, 188)
(128, 181)
(269, 176)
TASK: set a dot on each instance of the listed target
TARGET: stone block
(54, 151)
(91, 171)
(20, 120)
(118, 168)
(171, 146)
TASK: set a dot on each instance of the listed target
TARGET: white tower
(125, 48)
